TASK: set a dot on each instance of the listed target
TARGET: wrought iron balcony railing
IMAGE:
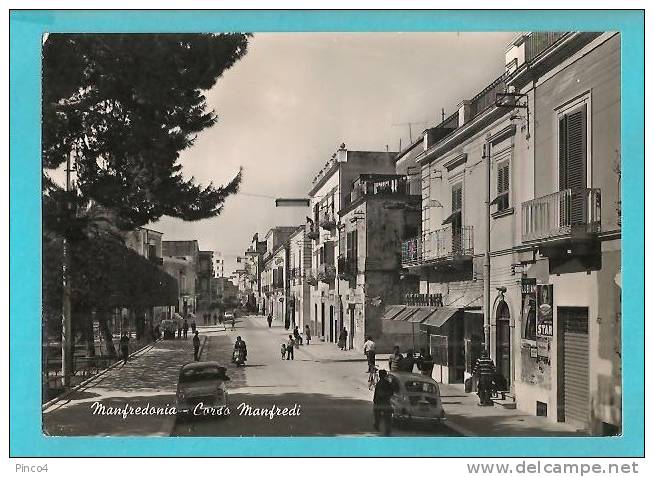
(539, 41)
(327, 221)
(379, 184)
(569, 213)
(443, 244)
(486, 98)
(311, 276)
(326, 272)
(423, 299)
(347, 267)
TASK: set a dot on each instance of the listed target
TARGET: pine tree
(125, 106)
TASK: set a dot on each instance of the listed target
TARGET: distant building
(299, 251)
(329, 192)
(275, 273)
(180, 259)
(205, 273)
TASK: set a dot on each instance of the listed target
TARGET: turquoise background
(26, 29)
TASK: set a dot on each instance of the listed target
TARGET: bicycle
(373, 377)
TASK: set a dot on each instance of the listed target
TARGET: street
(331, 391)
(325, 386)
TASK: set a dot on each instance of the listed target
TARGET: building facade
(180, 260)
(204, 275)
(274, 279)
(328, 193)
(567, 347)
(299, 251)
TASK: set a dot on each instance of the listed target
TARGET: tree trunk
(103, 316)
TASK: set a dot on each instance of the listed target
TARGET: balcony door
(456, 219)
(573, 151)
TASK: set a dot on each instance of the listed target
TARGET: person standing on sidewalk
(196, 346)
(290, 345)
(269, 320)
(408, 362)
(297, 335)
(484, 370)
(185, 328)
(307, 332)
(381, 403)
(369, 351)
(342, 339)
(395, 360)
(124, 347)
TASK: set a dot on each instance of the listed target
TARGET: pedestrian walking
(179, 330)
(307, 332)
(196, 346)
(395, 360)
(269, 320)
(342, 339)
(297, 335)
(425, 362)
(124, 347)
(381, 403)
(215, 319)
(185, 328)
(290, 345)
(233, 320)
(283, 351)
(484, 370)
(369, 351)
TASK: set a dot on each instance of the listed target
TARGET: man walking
(297, 336)
(484, 370)
(342, 339)
(290, 346)
(124, 347)
(381, 403)
(307, 332)
(269, 320)
(196, 346)
(369, 351)
(185, 328)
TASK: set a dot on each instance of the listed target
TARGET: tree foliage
(125, 106)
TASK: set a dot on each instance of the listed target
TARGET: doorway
(322, 320)
(351, 326)
(503, 342)
(331, 323)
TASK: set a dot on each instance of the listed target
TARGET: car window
(201, 374)
(421, 387)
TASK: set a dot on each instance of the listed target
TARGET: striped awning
(406, 313)
(422, 313)
(392, 311)
(439, 317)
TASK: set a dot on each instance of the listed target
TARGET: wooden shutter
(457, 197)
(572, 165)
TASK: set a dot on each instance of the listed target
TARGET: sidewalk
(463, 414)
(148, 380)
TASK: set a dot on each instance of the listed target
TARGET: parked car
(168, 328)
(201, 389)
(417, 398)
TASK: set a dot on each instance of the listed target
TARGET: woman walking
(307, 332)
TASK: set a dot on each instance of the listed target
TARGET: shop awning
(422, 313)
(392, 311)
(439, 317)
(406, 313)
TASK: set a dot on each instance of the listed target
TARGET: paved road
(329, 388)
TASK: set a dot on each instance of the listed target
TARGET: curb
(88, 381)
(459, 429)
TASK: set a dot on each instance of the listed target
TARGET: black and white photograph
(331, 234)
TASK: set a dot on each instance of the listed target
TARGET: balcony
(486, 98)
(347, 268)
(379, 184)
(312, 232)
(423, 299)
(570, 214)
(443, 245)
(326, 273)
(539, 41)
(311, 277)
(327, 220)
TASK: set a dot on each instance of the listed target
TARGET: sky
(285, 108)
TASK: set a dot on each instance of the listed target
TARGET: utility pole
(66, 308)
(487, 264)
(442, 114)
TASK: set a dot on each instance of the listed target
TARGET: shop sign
(544, 303)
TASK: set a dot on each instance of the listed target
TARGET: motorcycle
(238, 357)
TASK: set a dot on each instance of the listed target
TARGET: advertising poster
(544, 315)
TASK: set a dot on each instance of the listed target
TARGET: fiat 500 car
(416, 398)
(201, 389)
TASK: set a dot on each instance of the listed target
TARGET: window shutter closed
(572, 166)
(457, 197)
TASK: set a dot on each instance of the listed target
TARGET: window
(503, 173)
(572, 148)
(457, 197)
